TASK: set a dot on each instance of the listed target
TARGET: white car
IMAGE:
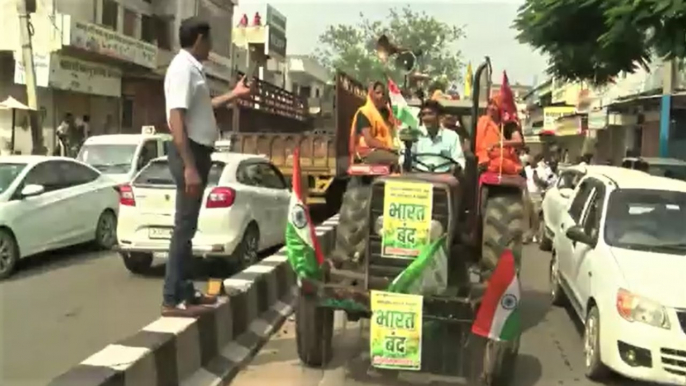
(619, 259)
(52, 202)
(244, 210)
(555, 203)
(121, 156)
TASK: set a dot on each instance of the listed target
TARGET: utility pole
(668, 76)
(24, 9)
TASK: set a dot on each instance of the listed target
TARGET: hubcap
(107, 229)
(250, 249)
(590, 340)
(5, 253)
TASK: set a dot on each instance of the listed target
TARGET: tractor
(478, 213)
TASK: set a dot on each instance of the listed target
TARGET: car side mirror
(577, 233)
(32, 190)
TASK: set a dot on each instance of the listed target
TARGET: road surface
(550, 354)
(61, 307)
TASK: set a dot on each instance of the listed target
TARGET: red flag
(507, 104)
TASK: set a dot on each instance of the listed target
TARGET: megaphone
(385, 49)
(406, 60)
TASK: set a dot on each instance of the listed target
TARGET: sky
(487, 25)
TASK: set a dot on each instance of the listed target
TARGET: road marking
(169, 325)
(259, 268)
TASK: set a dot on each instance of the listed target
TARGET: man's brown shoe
(184, 310)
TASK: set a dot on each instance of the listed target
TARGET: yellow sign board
(406, 218)
(396, 331)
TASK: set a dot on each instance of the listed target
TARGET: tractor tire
(313, 332)
(492, 363)
(353, 223)
(503, 228)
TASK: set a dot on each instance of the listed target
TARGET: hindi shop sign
(87, 77)
(106, 42)
(276, 19)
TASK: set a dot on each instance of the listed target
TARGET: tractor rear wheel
(353, 223)
(503, 228)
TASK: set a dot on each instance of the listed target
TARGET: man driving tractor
(371, 136)
(435, 139)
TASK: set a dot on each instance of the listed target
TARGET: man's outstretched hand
(241, 90)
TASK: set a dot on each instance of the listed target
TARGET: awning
(13, 104)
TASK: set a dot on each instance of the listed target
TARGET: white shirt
(530, 184)
(446, 143)
(185, 87)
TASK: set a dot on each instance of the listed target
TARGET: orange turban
(497, 100)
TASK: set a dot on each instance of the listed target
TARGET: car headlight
(635, 308)
(378, 226)
(436, 230)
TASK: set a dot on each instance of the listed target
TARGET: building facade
(105, 59)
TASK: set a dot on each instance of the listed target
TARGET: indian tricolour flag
(498, 317)
(407, 115)
(304, 254)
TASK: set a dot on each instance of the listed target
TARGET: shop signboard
(597, 120)
(104, 41)
(553, 113)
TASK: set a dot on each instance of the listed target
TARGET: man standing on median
(190, 117)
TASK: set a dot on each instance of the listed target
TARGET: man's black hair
(68, 115)
(190, 29)
(432, 105)
(86, 118)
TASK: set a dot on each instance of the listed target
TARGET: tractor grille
(391, 267)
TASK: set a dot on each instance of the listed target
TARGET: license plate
(160, 233)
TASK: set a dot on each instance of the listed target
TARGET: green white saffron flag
(498, 317)
(407, 115)
(302, 248)
(427, 274)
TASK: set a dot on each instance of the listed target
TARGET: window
(108, 158)
(162, 33)
(110, 9)
(127, 113)
(130, 20)
(261, 175)
(577, 207)
(73, 174)
(158, 173)
(316, 93)
(45, 174)
(147, 154)
(591, 221)
(8, 172)
(567, 180)
(148, 33)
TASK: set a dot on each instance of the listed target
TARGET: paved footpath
(550, 355)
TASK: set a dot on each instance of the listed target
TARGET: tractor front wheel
(503, 228)
(353, 223)
(313, 332)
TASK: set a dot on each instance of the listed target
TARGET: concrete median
(208, 350)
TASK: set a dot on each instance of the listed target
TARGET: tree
(596, 40)
(352, 48)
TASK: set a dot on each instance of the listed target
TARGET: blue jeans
(178, 286)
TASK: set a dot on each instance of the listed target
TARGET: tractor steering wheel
(433, 168)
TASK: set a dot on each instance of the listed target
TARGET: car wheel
(556, 292)
(595, 369)
(106, 230)
(137, 262)
(246, 252)
(9, 254)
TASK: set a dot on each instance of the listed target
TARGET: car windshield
(109, 159)
(157, 173)
(645, 219)
(8, 173)
(672, 171)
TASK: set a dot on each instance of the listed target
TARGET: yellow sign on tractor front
(396, 331)
(406, 218)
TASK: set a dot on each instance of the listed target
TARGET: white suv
(619, 259)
